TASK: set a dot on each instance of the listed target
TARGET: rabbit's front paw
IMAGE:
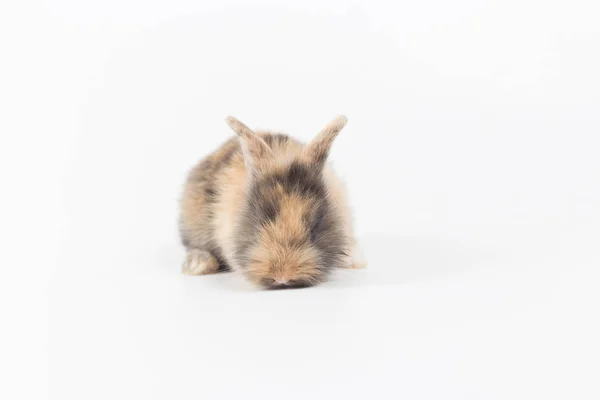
(199, 262)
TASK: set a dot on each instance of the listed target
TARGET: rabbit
(270, 207)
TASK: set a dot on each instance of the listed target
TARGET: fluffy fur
(268, 206)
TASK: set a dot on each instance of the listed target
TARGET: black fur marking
(316, 224)
(330, 241)
(299, 179)
(223, 266)
(269, 210)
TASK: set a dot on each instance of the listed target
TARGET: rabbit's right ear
(255, 149)
(318, 149)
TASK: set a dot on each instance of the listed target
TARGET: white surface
(471, 154)
(429, 319)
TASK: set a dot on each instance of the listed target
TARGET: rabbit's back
(201, 193)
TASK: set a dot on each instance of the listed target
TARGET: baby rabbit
(269, 206)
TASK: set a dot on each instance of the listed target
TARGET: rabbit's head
(288, 233)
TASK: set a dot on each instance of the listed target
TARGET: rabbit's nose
(282, 281)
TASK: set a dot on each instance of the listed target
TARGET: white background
(471, 156)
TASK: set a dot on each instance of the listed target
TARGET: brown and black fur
(270, 207)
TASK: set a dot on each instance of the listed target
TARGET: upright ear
(317, 150)
(255, 149)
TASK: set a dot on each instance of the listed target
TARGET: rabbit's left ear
(317, 150)
(254, 149)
